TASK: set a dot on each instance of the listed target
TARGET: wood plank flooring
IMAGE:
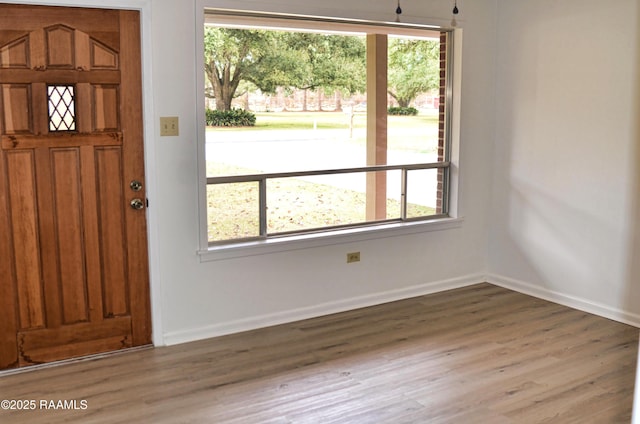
(480, 354)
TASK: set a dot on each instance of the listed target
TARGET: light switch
(169, 126)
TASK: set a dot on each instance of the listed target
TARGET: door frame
(144, 7)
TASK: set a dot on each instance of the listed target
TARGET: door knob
(137, 204)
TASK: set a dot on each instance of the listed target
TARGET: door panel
(74, 262)
(48, 345)
(24, 217)
(111, 221)
(67, 183)
(17, 110)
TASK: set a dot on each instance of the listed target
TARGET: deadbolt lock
(135, 185)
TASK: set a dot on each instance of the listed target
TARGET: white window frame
(207, 252)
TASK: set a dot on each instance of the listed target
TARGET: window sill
(306, 241)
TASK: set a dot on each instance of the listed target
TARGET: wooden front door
(73, 247)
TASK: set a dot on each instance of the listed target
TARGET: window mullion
(403, 194)
(262, 199)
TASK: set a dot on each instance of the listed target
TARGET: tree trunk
(224, 96)
(304, 100)
(224, 87)
(281, 100)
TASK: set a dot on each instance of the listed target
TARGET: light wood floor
(481, 354)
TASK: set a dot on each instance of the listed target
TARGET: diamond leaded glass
(62, 111)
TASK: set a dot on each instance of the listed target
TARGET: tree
(233, 56)
(272, 59)
(413, 68)
(335, 61)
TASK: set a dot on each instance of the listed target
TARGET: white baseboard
(268, 320)
(565, 299)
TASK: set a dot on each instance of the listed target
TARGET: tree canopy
(271, 59)
(413, 68)
(236, 55)
(238, 59)
(334, 62)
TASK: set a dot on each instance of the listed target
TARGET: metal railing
(262, 179)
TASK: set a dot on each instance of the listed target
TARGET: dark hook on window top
(455, 9)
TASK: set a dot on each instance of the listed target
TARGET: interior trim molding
(574, 302)
(267, 320)
(283, 317)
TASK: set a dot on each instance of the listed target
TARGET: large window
(316, 126)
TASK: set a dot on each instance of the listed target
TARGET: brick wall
(441, 119)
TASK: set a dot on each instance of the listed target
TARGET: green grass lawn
(325, 120)
(297, 121)
(293, 205)
(405, 133)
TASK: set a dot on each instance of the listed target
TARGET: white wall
(193, 299)
(204, 299)
(565, 185)
(549, 96)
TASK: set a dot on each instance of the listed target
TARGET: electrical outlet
(169, 126)
(353, 257)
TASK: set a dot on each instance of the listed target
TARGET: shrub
(406, 111)
(230, 118)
